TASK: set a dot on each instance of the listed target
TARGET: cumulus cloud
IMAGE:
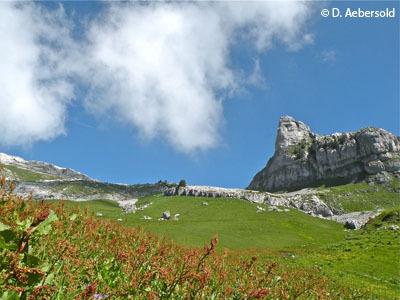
(164, 67)
(157, 68)
(34, 92)
(266, 22)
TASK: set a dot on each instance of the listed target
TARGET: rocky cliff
(305, 159)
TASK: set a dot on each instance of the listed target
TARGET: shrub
(182, 183)
(300, 150)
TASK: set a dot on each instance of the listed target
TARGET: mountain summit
(305, 159)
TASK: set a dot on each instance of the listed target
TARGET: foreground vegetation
(62, 250)
(64, 254)
(366, 259)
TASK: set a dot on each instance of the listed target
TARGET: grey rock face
(319, 207)
(217, 192)
(374, 167)
(290, 132)
(305, 200)
(128, 206)
(355, 220)
(304, 159)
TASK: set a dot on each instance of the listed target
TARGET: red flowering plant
(62, 253)
(22, 224)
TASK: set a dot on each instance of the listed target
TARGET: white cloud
(33, 88)
(157, 68)
(163, 67)
(267, 21)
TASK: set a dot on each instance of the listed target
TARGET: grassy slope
(361, 196)
(366, 259)
(236, 223)
(27, 175)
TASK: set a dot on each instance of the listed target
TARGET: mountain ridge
(304, 159)
(46, 181)
(43, 167)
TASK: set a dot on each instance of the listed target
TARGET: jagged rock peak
(304, 159)
(290, 132)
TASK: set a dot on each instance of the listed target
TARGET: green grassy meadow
(367, 259)
(236, 223)
(361, 196)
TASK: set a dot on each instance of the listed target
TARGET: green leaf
(3, 244)
(4, 227)
(73, 217)
(10, 295)
(31, 260)
(25, 224)
(45, 227)
(7, 245)
(49, 279)
(46, 266)
(10, 238)
(34, 279)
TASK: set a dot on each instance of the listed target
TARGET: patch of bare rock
(304, 200)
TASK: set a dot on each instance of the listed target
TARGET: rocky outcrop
(305, 159)
(355, 220)
(304, 200)
(128, 206)
(218, 192)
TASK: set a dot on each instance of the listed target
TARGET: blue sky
(335, 75)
